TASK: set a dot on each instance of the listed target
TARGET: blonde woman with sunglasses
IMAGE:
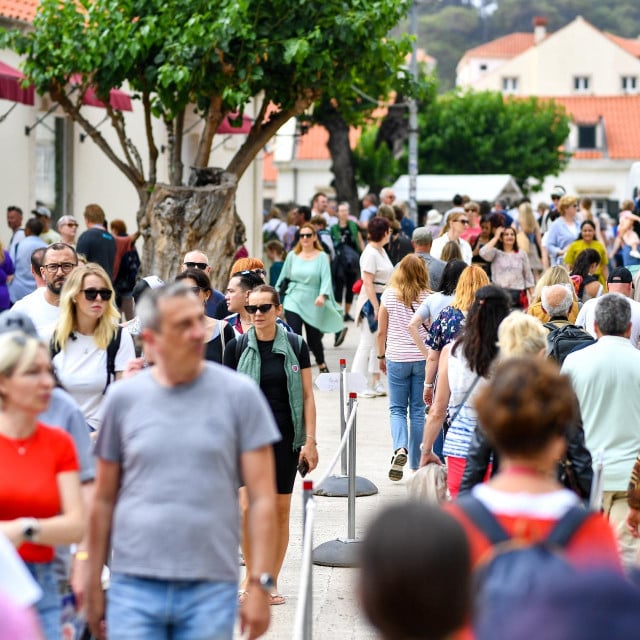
(87, 325)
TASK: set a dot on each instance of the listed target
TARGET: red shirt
(28, 481)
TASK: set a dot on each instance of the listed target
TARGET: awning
(11, 88)
(227, 127)
(117, 99)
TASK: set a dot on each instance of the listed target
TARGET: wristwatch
(264, 580)
(30, 529)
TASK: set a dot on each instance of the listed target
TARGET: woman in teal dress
(309, 297)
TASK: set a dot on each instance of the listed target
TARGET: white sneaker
(367, 393)
(634, 254)
(380, 390)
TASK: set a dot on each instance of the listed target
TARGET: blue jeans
(406, 384)
(48, 607)
(148, 609)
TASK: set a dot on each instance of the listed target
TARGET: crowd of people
(506, 344)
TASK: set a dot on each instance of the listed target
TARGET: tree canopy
(176, 53)
(477, 132)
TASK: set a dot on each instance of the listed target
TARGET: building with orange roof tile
(595, 76)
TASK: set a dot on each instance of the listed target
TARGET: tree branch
(133, 175)
(212, 121)
(261, 132)
(148, 126)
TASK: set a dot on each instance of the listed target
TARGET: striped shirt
(400, 344)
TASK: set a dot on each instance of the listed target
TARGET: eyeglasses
(65, 267)
(196, 265)
(70, 224)
(91, 294)
(306, 235)
(251, 309)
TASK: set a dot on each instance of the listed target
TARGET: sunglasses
(91, 294)
(196, 265)
(65, 267)
(306, 235)
(251, 309)
(255, 272)
(463, 220)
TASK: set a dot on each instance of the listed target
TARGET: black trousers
(314, 336)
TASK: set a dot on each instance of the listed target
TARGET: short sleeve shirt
(377, 263)
(445, 328)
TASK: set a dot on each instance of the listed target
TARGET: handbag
(282, 289)
(357, 286)
(448, 421)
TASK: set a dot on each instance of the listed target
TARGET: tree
(375, 164)
(177, 53)
(486, 133)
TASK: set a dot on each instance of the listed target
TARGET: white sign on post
(331, 382)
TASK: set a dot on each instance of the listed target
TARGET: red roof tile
(313, 144)
(621, 115)
(631, 45)
(508, 46)
(269, 170)
(23, 10)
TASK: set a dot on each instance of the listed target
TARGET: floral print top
(445, 328)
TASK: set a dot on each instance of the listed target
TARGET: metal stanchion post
(338, 486)
(344, 552)
(351, 504)
(343, 421)
(307, 494)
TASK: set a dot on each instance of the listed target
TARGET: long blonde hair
(553, 275)
(471, 279)
(526, 218)
(68, 321)
(409, 279)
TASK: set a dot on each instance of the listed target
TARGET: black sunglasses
(306, 235)
(248, 272)
(196, 265)
(251, 309)
(91, 294)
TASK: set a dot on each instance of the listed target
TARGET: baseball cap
(620, 275)
(41, 210)
(558, 191)
(17, 321)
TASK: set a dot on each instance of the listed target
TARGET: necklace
(22, 444)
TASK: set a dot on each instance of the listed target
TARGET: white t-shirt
(81, 367)
(586, 319)
(377, 263)
(43, 314)
(441, 241)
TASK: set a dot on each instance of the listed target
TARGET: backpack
(242, 341)
(565, 339)
(127, 272)
(112, 350)
(513, 571)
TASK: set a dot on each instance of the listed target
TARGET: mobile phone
(303, 468)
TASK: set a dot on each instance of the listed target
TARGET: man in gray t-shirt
(175, 444)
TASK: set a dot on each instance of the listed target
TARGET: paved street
(335, 610)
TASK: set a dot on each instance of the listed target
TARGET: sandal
(276, 598)
(322, 369)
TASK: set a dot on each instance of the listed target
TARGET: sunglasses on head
(91, 294)
(306, 235)
(251, 309)
(247, 272)
(196, 265)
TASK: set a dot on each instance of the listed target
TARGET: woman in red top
(525, 412)
(40, 501)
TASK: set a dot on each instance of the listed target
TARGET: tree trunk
(180, 219)
(341, 155)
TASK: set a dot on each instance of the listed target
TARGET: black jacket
(575, 472)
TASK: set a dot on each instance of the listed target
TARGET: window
(630, 84)
(587, 137)
(509, 85)
(581, 84)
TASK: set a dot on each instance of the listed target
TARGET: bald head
(196, 260)
(557, 299)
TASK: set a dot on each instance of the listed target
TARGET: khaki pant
(615, 508)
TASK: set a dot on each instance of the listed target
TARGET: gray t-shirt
(176, 515)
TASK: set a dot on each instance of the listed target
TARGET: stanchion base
(337, 553)
(338, 487)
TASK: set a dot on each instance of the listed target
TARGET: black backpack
(128, 272)
(565, 339)
(112, 350)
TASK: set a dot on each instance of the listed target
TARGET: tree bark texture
(180, 219)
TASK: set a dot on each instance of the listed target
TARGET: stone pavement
(335, 609)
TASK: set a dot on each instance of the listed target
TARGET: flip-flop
(242, 596)
(276, 598)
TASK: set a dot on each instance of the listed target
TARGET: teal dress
(309, 279)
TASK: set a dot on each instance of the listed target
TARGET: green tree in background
(375, 166)
(486, 133)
